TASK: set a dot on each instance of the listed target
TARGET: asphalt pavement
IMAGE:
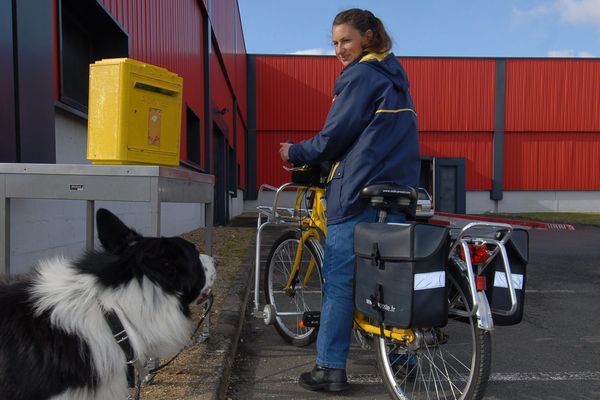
(553, 354)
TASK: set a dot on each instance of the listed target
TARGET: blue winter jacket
(370, 134)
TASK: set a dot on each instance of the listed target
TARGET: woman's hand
(284, 149)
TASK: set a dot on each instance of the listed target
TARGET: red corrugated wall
(453, 94)
(454, 99)
(547, 95)
(269, 168)
(221, 96)
(293, 96)
(167, 34)
(552, 161)
(241, 151)
(474, 147)
(552, 124)
(552, 115)
(241, 82)
(294, 92)
(229, 71)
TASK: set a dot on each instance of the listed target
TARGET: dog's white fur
(76, 303)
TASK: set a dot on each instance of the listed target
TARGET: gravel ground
(192, 375)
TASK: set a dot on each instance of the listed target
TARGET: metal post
(498, 138)
(89, 225)
(152, 361)
(4, 234)
(208, 222)
(154, 208)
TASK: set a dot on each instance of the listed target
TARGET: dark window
(193, 136)
(88, 33)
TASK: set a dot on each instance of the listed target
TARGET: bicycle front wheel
(452, 362)
(304, 293)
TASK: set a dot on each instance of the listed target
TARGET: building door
(221, 198)
(426, 177)
(449, 194)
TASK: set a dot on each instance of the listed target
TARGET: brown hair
(363, 20)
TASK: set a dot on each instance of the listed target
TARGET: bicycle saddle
(389, 195)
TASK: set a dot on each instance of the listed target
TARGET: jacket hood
(387, 64)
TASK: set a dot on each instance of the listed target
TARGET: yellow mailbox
(134, 113)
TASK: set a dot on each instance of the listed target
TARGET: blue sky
(464, 28)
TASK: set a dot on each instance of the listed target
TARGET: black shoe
(327, 379)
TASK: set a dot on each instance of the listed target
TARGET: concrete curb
(228, 327)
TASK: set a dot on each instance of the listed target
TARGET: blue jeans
(337, 310)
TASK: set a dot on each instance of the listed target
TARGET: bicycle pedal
(310, 319)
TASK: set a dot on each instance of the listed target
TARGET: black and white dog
(56, 340)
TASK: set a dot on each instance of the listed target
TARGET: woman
(370, 136)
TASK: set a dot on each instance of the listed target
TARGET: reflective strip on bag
(500, 280)
(430, 280)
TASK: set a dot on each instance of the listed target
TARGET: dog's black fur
(54, 340)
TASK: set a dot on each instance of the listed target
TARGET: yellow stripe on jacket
(396, 111)
(332, 172)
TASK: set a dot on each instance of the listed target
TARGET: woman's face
(349, 43)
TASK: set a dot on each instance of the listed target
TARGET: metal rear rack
(496, 235)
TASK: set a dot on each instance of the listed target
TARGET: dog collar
(120, 336)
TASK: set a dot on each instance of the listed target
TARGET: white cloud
(576, 11)
(314, 52)
(532, 12)
(571, 11)
(569, 54)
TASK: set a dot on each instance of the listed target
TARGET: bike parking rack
(275, 215)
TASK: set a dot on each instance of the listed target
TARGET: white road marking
(546, 376)
(495, 377)
(551, 291)
(591, 339)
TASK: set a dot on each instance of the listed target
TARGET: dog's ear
(113, 233)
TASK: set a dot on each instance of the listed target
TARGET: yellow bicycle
(450, 361)
(292, 276)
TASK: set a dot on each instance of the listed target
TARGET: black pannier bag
(517, 250)
(400, 275)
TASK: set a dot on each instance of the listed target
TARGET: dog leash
(154, 371)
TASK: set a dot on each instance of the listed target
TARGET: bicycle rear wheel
(305, 293)
(452, 362)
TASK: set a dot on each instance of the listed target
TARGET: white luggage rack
(276, 206)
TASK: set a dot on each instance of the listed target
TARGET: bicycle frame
(399, 334)
(314, 223)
